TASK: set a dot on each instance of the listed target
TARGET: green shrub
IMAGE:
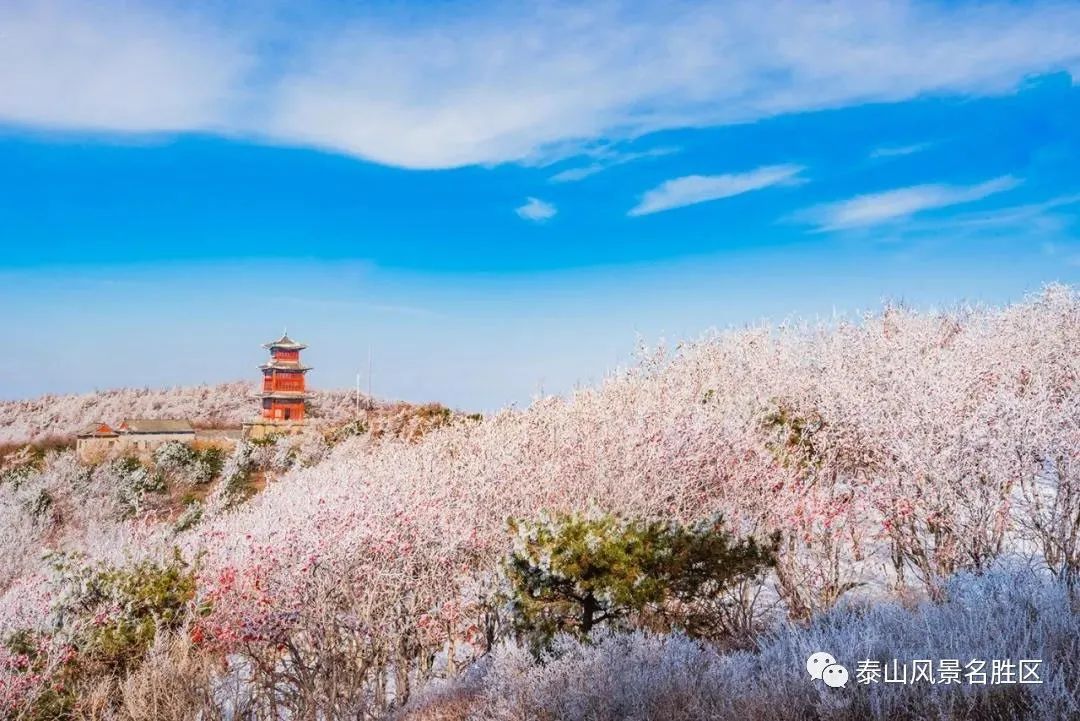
(151, 597)
(107, 620)
(54, 700)
(265, 441)
(208, 464)
(191, 465)
(571, 573)
(117, 611)
(354, 428)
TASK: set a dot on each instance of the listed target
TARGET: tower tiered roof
(284, 389)
(284, 343)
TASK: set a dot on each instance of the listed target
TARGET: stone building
(95, 441)
(132, 435)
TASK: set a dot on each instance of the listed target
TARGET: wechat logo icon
(823, 667)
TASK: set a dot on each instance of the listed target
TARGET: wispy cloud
(491, 83)
(605, 161)
(345, 304)
(572, 175)
(536, 210)
(74, 65)
(1044, 215)
(693, 189)
(877, 208)
(892, 151)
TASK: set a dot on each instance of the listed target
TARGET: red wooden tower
(283, 390)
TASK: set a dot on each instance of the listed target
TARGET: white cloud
(892, 151)
(536, 210)
(693, 189)
(605, 160)
(80, 66)
(493, 83)
(878, 208)
(1045, 215)
(572, 175)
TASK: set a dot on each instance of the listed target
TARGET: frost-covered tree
(890, 450)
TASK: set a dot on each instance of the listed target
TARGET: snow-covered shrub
(190, 517)
(234, 486)
(1007, 613)
(106, 619)
(35, 499)
(18, 467)
(132, 481)
(174, 457)
(41, 504)
(184, 464)
(209, 463)
(311, 447)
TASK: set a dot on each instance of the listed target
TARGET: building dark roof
(97, 430)
(155, 425)
(284, 342)
(219, 434)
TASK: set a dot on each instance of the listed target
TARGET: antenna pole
(369, 376)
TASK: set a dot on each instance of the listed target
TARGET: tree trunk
(401, 679)
(589, 607)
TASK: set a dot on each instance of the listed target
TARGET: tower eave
(285, 395)
(285, 367)
(283, 346)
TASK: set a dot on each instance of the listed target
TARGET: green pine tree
(571, 573)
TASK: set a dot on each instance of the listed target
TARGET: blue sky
(498, 199)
